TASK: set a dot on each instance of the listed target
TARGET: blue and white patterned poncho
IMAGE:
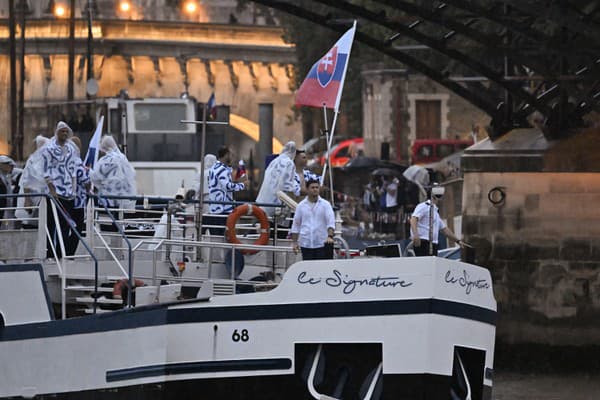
(60, 167)
(221, 188)
(308, 176)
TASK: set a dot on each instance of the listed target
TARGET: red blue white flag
(92, 154)
(211, 106)
(324, 83)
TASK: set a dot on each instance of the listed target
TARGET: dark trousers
(78, 216)
(214, 220)
(64, 227)
(320, 253)
(423, 249)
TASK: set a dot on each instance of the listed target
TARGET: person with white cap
(60, 173)
(113, 175)
(426, 223)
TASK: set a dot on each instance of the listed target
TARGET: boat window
(159, 117)
(165, 147)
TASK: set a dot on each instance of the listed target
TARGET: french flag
(211, 106)
(323, 85)
(92, 153)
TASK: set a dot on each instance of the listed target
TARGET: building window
(428, 119)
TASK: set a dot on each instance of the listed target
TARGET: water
(551, 386)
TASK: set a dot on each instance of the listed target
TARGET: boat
(200, 327)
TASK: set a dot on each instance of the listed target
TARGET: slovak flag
(211, 107)
(324, 83)
(92, 154)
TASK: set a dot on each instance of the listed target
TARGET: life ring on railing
(122, 284)
(248, 209)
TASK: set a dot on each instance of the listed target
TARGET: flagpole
(201, 194)
(328, 162)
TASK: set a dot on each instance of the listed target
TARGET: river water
(534, 386)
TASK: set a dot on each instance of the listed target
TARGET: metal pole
(430, 225)
(201, 194)
(18, 143)
(90, 50)
(70, 89)
(13, 71)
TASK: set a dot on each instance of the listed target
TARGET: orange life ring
(120, 285)
(248, 209)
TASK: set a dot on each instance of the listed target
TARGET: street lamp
(125, 6)
(190, 7)
(60, 10)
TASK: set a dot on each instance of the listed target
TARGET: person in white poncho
(32, 181)
(113, 175)
(279, 176)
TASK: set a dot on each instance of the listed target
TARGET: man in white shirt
(314, 225)
(419, 225)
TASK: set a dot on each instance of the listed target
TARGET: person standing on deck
(420, 225)
(60, 173)
(32, 181)
(302, 175)
(114, 175)
(9, 177)
(279, 176)
(314, 225)
(83, 186)
(221, 188)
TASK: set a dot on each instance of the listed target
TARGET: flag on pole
(92, 153)
(324, 83)
(211, 106)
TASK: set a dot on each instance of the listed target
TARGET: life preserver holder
(122, 284)
(248, 209)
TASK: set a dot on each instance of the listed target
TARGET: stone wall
(539, 234)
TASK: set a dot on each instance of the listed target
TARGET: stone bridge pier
(531, 208)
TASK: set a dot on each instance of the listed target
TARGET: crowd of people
(56, 168)
(388, 202)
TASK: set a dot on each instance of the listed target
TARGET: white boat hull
(410, 315)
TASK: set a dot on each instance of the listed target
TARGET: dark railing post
(130, 256)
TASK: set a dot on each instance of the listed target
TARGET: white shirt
(422, 214)
(311, 222)
(391, 200)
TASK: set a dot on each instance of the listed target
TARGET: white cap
(7, 160)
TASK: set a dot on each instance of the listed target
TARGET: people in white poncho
(32, 181)
(113, 175)
(279, 176)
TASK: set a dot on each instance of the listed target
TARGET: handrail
(233, 246)
(130, 253)
(112, 254)
(168, 200)
(89, 250)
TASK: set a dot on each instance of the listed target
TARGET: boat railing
(156, 245)
(15, 228)
(129, 248)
